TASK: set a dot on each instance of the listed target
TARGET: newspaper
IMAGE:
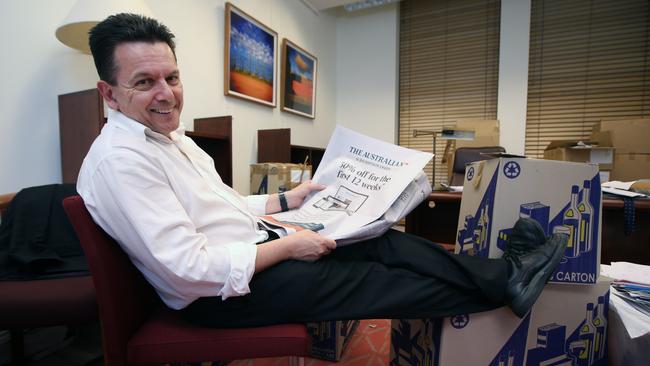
(370, 185)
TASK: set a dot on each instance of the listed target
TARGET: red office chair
(138, 329)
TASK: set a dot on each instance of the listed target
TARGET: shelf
(274, 146)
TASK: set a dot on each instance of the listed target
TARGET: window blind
(589, 61)
(448, 69)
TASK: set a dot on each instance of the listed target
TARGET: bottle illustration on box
(600, 322)
(480, 238)
(587, 335)
(510, 361)
(571, 220)
(474, 237)
(584, 347)
(586, 218)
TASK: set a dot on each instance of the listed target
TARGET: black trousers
(396, 275)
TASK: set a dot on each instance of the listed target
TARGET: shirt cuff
(257, 204)
(242, 268)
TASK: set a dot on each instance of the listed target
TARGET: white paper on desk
(618, 184)
(620, 192)
(452, 188)
(636, 323)
(626, 271)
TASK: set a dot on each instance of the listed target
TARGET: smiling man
(146, 86)
(202, 247)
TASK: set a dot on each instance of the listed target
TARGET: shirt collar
(120, 120)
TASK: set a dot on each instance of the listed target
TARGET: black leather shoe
(526, 236)
(529, 273)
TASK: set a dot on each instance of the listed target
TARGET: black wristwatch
(283, 202)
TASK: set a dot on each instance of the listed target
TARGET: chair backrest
(125, 299)
(466, 155)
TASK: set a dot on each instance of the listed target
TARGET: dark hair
(122, 28)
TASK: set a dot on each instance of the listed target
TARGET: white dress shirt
(162, 200)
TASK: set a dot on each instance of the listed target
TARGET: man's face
(148, 88)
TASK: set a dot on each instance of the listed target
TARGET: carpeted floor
(369, 346)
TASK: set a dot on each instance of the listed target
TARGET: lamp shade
(85, 14)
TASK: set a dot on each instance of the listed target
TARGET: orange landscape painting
(251, 86)
(299, 77)
(250, 58)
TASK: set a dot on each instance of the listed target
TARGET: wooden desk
(437, 220)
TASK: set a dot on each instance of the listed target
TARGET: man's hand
(307, 245)
(304, 245)
(294, 197)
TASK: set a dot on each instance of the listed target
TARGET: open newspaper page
(366, 179)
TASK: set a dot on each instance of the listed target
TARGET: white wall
(513, 74)
(36, 68)
(367, 73)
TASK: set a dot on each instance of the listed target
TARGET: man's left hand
(296, 196)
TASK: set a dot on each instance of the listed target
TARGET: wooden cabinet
(81, 118)
(274, 146)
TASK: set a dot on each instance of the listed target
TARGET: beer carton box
(564, 197)
(566, 326)
(330, 338)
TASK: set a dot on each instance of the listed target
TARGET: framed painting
(298, 85)
(250, 58)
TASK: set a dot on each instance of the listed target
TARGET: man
(201, 246)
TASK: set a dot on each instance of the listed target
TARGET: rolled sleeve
(242, 268)
(257, 203)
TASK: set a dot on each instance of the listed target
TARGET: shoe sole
(522, 304)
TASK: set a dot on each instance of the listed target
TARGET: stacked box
(277, 177)
(602, 155)
(330, 338)
(566, 326)
(564, 197)
(629, 137)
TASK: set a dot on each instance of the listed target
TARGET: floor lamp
(447, 134)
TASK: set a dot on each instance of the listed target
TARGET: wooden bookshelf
(274, 146)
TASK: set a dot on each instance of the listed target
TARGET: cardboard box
(567, 326)
(627, 135)
(277, 177)
(629, 138)
(603, 156)
(631, 166)
(329, 339)
(563, 197)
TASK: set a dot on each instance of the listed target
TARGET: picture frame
(250, 58)
(299, 77)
